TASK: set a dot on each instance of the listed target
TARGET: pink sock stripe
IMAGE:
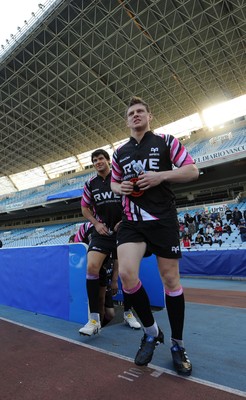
(133, 290)
(174, 293)
(92, 277)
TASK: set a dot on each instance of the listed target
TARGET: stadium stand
(60, 233)
(230, 139)
(35, 236)
(65, 187)
(70, 187)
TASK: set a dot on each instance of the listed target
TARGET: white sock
(95, 316)
(152, 330)
(177, 341)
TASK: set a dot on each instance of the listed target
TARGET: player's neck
(104, 174)
(139, 134)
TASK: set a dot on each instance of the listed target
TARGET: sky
(13, 13)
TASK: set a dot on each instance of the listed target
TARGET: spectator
(226, 229)
(186, 243)
(228, 214)
(202, 228)
(181, 229)
(218, 229)
(197, 220)
(208, 239)
(214, 215)
(216, 238)
(218, 221)
(186, 218)
(209, 229)
(1, 244)
(204, 217)
(242, 230)
(199, 239)
(191, 226)
(236, 216)
(210, 222)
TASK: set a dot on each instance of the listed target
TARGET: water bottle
(137, 167)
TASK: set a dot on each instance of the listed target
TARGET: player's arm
(99, 226)
(183, 174)
(123, 188)
(118, 184)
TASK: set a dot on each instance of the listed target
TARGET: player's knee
(93, 269)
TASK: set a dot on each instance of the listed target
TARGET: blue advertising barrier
(46, 280)
(224, 263)
(51, 280)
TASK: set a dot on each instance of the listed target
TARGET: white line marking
(150, 366)
(136, 371)
(214, 305)
(129, 373)
(124, 377)
(156, 374)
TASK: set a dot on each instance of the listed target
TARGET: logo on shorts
(96, 248)
(175, 249)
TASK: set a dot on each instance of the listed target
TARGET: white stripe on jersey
(139, 211)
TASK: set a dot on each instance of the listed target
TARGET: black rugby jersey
(106, 205)
(84, 233)
(153, 153)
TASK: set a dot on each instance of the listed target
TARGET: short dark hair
(71, 239)
(137, 100)
(98, 152)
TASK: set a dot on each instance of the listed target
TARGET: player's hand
(126, 187)
(114, 288)
(101, 229)
(148, 180)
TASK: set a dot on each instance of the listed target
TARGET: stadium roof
(65, 83)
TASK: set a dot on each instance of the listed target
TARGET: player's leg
(175, 304)
(95, 260)
(129, 257)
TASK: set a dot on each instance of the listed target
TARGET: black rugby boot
(181, 361)
(147, 347)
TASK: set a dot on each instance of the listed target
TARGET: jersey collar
(147, 134)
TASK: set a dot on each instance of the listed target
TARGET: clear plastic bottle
(137, 167)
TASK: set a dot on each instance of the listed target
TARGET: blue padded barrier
(224, 263)
(48, 280)
(51, 280)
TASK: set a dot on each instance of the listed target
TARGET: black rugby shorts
(161, 236)
(103, 244)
